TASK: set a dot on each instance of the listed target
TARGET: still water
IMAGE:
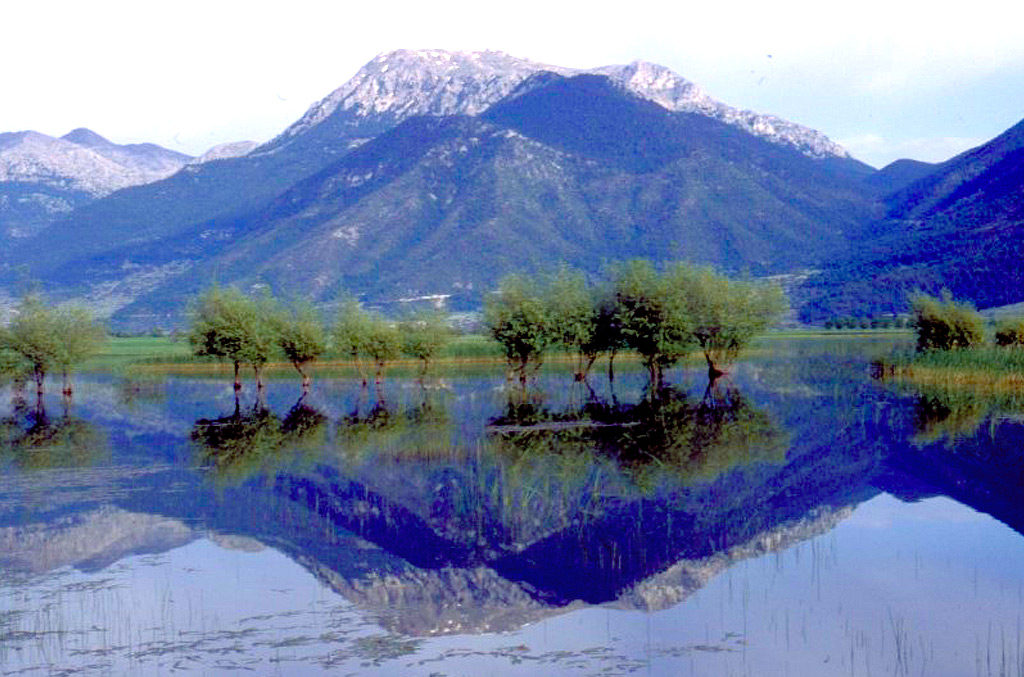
(800, 518)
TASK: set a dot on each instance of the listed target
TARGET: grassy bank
(985, 365)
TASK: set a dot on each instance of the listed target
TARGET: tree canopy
(519, 319)
(46, 338)
(301, 336)
(226, 324)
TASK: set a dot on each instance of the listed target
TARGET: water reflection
(452, 513)
(32, 439)
(671, 436)
(256, 441)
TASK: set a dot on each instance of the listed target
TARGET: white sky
(885, 78)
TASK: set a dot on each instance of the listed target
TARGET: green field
(152, 351)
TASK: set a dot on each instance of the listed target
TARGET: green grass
(466, 351)
(121, 352)
(990, 359)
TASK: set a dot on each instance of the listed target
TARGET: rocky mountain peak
(404, 83)
(399, 84)
(661, 85)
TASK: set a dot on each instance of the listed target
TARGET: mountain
(959, 227)
(434, 172)
(226, 151)
(400, 84)
(565, 169)
(43, 178)
(898, 175)
(389, 89)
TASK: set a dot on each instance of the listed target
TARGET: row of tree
(660, 314)
(41, 339)
(226, 324)
(942, 323)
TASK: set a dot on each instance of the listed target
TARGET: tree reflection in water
(557, 467)
(671, 435)
(255, 442)
(32, 439)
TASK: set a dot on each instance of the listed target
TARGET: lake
(799, 518)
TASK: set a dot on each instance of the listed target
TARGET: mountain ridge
(578, 169)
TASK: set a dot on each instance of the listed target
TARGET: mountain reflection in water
(437, 520)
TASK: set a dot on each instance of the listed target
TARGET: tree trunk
(655, 374)
(258, 375)
(40, 376)
(307, 380)
(584, 370)
(714, 372)
(238, 378)
(611, 367)
(67, 382)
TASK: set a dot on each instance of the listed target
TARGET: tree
(944, 324)
(301, 336)
(79, 337)
(32, 335)
(227, 324)
(46, 338)
(351, 333)
(423, 336)
(653, 317)
(13, 366)
(725, 314)
(383, 344)
(518, 319)
(573, 315)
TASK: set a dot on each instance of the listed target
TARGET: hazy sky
(885, 78)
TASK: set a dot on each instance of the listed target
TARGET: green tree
(13, 366)
(517, 317)
(573, 316)
(383, 345)
(79, 337)
(725, 314)
(944, 324)
(350, 334)
(302, 338)
(46, 338)
(226, 324)
(423, 336)
(653, 317)
(32, 335)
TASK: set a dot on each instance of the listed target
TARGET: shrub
(1010, 333)
(944, 324)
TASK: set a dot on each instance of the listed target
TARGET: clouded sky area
(887, 79)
